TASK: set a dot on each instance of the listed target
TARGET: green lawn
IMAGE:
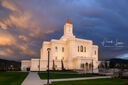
(61, 75)
(94, 82)
(12, 78)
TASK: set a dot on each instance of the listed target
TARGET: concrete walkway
(84, 78)
(34, 79)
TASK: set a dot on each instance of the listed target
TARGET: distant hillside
(7, 65)
(118, 63)
(118, 60)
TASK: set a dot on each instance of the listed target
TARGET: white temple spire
(68, 28)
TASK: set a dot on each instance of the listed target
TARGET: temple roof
(68, 21)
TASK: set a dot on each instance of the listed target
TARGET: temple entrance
(90, 66)
(86, 66)
(82, 66)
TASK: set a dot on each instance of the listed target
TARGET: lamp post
(39, 65)
(48, 65)
(92, 65)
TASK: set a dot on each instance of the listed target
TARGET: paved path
(84, 78)
(34, 79)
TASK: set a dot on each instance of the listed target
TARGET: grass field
(61, 75)
(12, 78)
(94, 82)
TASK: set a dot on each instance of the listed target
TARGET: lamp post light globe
(48, 49)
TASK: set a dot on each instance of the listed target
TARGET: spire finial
(68, 21)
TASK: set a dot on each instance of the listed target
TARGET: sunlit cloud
(7, 39)
(25, 38)
(25, 50)
(21, 29)
(9, 5)
(20, 21)
(3, 53)
(6, 52)
(3, 26)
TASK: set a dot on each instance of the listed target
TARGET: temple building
(68, 52)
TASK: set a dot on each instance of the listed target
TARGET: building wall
(44, 53)
(71, 52)
(57, 54)
(35, 65)
(25, 64)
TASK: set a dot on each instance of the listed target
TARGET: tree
(62, 65)
(53, 67)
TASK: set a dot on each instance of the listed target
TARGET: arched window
(62, 57)
(84, 49)
(82, 66)
(81, 48)
(56, 49)
(62, 49)
(90, 66)
(55, 57)
(78, 48)
(86, 65)
(95, 52)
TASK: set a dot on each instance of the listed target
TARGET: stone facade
(74, 53)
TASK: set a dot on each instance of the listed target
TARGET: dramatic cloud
(24, 24)
(3, 26)
(9, 5)
(24, 38)
(6, 52)
(7, 39)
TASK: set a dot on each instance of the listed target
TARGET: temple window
(62, 58)
(56, 49)
(78, 48)
(55, 57)
(84, 49)
(95, 52)
(62, 49)
(82, 66)
(81, 48)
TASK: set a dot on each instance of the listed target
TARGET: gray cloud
(28, 22)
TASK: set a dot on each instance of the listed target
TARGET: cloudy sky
(25, 24)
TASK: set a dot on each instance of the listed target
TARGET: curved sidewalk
(34, 79)
(84, 78)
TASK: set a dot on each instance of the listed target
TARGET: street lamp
(48, 65)
(92, 65)
(39, 65)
